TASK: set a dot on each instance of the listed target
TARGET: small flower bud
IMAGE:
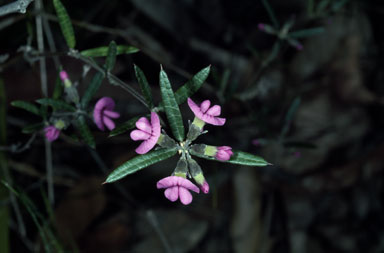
(197, 174)
(165, 141)
(65, 79)
(222, 153)
(181, 169)
(60, 124)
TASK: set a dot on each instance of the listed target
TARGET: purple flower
(51, 133)
(103, 113)
(148, 132)
(206, 114)
(177, 187)
(224, 153)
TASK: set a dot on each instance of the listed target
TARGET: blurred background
(307, 97)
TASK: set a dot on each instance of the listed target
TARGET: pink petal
(156, 128)
(109, 123)
(214, 110)
(205, 187)
(195, 108)
(143, 124)
(63, 75)
(185, 196)
(213, 120)
(97, 118)
(167, 182)
(145, 146)
(182, 182)
(111, 114)
(138, 135)
(205, 105)
(172, 193)
(105, 103)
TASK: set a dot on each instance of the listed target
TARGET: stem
(19, 6)
(44, 87)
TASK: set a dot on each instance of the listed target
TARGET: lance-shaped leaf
(238, 157)
(26, 106)
(56, 104)
(103, 51)
(85, 132)
(59, 88)
(144, 86)
(171, 107)
(65, 23)
(92, 89)
(140, 162)
(32, 128)
(126, 126)
(306, 32)
(190, 87)
(111, 56)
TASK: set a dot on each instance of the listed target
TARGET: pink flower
(177, 187)
(63, 75)
(51, 133)
(206, 114)
(148, 132)
(224, 153)
(103, 113)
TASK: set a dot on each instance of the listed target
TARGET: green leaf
(111, 56)
(92, 89)
(238, 157)
(140, 162)
(306, 32)
(32, 128)
(103, 51)
(126, 126)
(171, 107)
(56, 104)
(144, 86)
(65, 23)
(59, 88)
(190, 87)
(85, 133)
(26, 106)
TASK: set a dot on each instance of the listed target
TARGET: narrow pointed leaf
(92, 88)
(56, 104)
(59, 88)
(306, 32)
(26, 106)
(126, 126)
(103, 51)
(239, 157)
(85, 132)
(111, 56)
(144, 86)
(140, 162)
(32, 128)
(190, 87)
(171, 107)
(65, 23)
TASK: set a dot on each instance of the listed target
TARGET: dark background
(316, 114)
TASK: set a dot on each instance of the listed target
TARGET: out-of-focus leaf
(239, 157)
(65, 23)
(306, 32)
(103, 51)
(126, 126)
(140, 162)
(32, 128)
(26, 106)
(190, 87)
(85, 132)
(171, 107)
(144, 86)
(92, 89)
(56, 104)
(271, 13)
(111, 56)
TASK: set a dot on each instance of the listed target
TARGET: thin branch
(19, 6)
(44, 87)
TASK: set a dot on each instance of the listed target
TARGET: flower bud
(165, 141)
(222, 153)
(181, 169)
(197, 174)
